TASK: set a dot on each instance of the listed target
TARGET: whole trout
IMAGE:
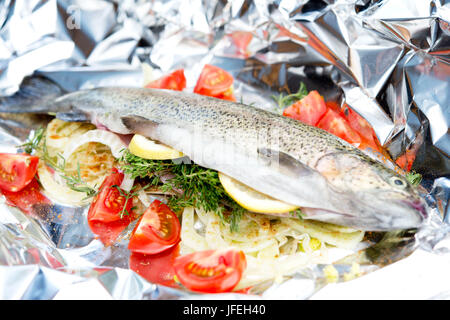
(328, 178)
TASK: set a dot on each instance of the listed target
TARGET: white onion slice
(104, 137)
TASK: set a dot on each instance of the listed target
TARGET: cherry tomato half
(17, 170)
(213, 81)
(334, 123)
(173, 81)
(156, 268)
(309, 110)
(362, 127)
(241, 40)
(157, 230)
(211, 271)
(228, 95)
(26, 198)
(105, 216)
(406, 160)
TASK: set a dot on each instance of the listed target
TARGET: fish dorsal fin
(285, 163)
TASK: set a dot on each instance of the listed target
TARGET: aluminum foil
(388, 60)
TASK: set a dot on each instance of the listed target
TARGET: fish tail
(35, 95)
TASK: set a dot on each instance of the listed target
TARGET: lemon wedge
(148, 149)
(251, 199)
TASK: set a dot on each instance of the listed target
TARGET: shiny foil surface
(388, 60)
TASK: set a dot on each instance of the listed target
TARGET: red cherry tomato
(406, 160)
(105, 216)
(228, 95)
(333, 105)
(173, 81)
(26, 198)
(17, 170)
(213, 82)
(308, 110)
(338, 125)
(156, 268)
(157, 230)
(210, 271)
(362, 127)
(241, 40)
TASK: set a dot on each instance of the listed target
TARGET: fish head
(372, 196)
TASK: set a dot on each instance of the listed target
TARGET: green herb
(297, 213)
(191, 185)
(33, 143)
(414, 178)
(138, 167)
(74, 182)
(127, 196)
(252, 104)
(284, 101)
(39, 144)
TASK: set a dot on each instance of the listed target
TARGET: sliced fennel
(191, 240)
(59, 133)
(275, 247)
(101, 136)
(59, 192)
(341, 237)
(109, 139)
(85, 155)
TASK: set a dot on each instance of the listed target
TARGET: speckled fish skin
(300, 164)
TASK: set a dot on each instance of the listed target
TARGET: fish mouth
(378, 216)
(417, 205)
(398, 214)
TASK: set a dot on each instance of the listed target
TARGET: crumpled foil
(388, 60)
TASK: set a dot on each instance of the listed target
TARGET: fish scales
(219, 117)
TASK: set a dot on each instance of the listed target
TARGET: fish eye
(397, 182)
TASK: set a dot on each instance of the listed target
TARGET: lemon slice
(251, 199)
(148, 149)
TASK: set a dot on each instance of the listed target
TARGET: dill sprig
(284, 101)
(190, 184)
(414, 178)
(297, 213)
(138, 167)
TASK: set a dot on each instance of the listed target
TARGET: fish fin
(285, 163)
(73, 116)
(140, 125)
(35, 95)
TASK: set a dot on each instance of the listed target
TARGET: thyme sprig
(129, 195)
(33, 143)
(284, 101)
(75, 183)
